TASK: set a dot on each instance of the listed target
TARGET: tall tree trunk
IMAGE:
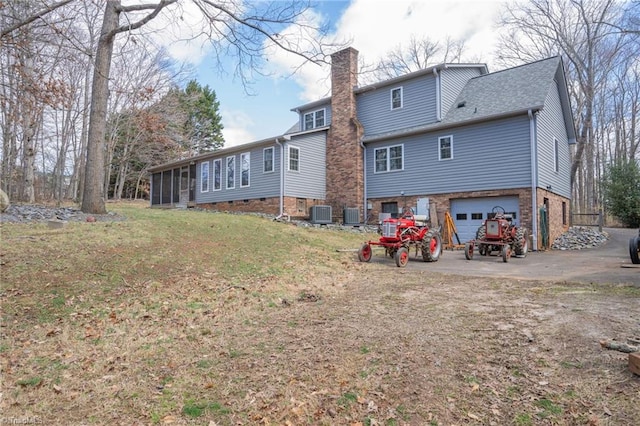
(93, 197)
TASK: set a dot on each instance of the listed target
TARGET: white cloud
(377, 26)
(236, 127)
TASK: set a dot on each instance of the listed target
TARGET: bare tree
(418, 53)
(246, 31)
(576, 30)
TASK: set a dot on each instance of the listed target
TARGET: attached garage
(469, 213)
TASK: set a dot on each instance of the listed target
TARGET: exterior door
(184, 186)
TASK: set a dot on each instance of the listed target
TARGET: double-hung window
(204, 177)
(388, 159)
(396, 98)
(314, 119)
(445, 148)
(217, 174)
(294, 159)
(267, 160)
(231, 172)
(245, 165)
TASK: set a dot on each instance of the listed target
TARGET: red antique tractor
(499, 234)
(402, 234)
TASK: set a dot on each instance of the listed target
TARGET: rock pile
(580, 237)
(37, 213)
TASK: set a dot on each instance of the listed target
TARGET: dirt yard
(364, 344)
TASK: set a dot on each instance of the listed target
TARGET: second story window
(556, 155)
(388, 159)
(314, 119)
(445, 148)
(396, 98)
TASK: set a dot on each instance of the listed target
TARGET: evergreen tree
(203, 127)
(622, 191)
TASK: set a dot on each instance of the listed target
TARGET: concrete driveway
(609, 263)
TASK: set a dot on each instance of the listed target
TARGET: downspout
(534, 178)
(281, 177)
(438, 100)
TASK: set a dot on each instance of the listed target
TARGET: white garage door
(469, 213)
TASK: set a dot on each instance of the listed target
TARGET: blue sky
(373, 26)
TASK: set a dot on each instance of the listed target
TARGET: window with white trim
(231, 172)
(217, 174)
(396, 98)
(204, 177)
(245, 165)
(314, 119)
(388, 159)
(294, 159)
(556, 155)
(445, 148)
(268, 155)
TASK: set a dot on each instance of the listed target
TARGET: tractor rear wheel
(468, 251)
(431, 246)
(506, 253)
(481, 234)
(634, 250)
(365, 252)
(521, 242)
(402, 257)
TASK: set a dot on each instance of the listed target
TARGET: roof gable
(504, 92)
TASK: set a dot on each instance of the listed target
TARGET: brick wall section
(267, 206)
(557, 223)
(345, 180)
(443, 204)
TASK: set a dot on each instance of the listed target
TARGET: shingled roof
(503, 92)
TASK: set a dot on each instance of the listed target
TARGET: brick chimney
(345, 180)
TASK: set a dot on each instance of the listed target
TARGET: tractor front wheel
(431, 246)
(481, 234)
(634, 250)
(521, 242)
(402, 257)
(468, 251)
(365, 252)
(506, 253)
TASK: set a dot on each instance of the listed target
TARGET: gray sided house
(451, 138)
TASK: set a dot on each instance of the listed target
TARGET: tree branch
(133, 8)
(30, 19)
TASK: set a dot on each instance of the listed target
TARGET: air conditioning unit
(351, 216)
(320, 214)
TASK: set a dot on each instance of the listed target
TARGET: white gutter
(438, 99)
(534, 178)
(365, 208)
(281, 177)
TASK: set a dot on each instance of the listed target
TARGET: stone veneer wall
(345, 170)
(443, 204)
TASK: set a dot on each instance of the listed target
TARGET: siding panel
(310, 180)
(550, 125)
(492, 155)
(260, 184)
(452, 82)
(419, 106)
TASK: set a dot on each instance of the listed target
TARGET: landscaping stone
(580, 237)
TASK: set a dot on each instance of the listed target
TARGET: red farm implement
(499, 234)
(400, 235)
